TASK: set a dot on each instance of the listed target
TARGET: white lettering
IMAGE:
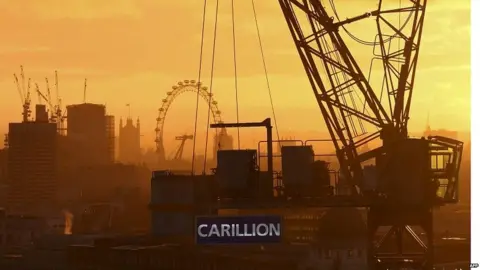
(245, 229)
(214, 230)
(225, 230)
(237, 230)
(264, 228)
(199, 230)
(237, 227)
(275, 228)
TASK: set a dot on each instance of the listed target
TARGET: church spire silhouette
(428, 129)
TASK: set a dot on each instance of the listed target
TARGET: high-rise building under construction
(32, 167)
(92, 133)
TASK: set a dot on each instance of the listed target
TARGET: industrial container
(297, 172)
(176, 200)
(236, 172)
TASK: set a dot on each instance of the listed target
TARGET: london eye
(178, 89)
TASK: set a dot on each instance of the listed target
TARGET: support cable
(199, 85)
(211, 86)
(399, 23)
(364, 42)
(265, 70)
(235, 70)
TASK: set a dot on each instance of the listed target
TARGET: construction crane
(410, 184)
(44, 98)
(48, 99)
(24, 95)
(59, 114)
(182, 139)
(39, 94)
(49, 96)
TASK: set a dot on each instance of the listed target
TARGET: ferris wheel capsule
(186, 81)
(180, 83)
(192, 81)
(204, 88)
(174, 87)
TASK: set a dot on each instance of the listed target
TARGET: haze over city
(370, 100)
(130, 53)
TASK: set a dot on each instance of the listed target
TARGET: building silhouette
(32, 167)
(110, 122)
(3, 176)
(91, 133)
(222, 141)
(129, 142)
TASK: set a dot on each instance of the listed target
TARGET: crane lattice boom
(353, 112)
(24, 94)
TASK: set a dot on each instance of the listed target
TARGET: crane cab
(417, 171)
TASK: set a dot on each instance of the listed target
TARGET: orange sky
(133, 51)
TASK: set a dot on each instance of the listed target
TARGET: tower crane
(28, 98)
(39, 94)
(409, 180)
(182, 139)
(42, 96)
(24, 95)
(59, 114)
(48, 99)
(49, 96)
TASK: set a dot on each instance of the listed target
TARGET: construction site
(366, 197)
(370, 209)
(42, 147)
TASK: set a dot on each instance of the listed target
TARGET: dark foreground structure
(221, 258)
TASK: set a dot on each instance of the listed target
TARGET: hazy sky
(133, 51)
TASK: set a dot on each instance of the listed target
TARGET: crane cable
(370, 43)
(235, 70)
(211, 86)
(265, 70)
(199, 85)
